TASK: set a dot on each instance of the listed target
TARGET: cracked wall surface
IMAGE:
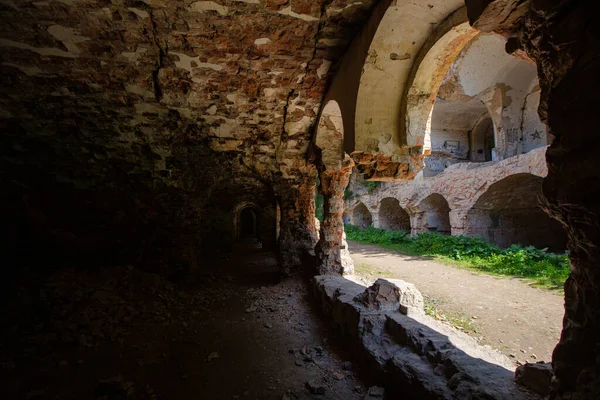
(161, 100)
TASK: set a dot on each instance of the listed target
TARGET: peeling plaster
(323, 69)
(288, 11)
(186, 61)
(203, 6)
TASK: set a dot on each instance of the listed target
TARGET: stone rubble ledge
(414, 355)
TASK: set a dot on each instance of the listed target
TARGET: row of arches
(507, 213)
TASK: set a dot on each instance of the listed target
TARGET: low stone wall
(415, 356)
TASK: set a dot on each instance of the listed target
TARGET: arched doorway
(481, 139)
(509, 213)
(392, 216)
(435, 214)
(361, 216)
(248, 223)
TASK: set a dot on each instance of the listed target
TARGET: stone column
(416, 223)
(332, 249)
(458, 221)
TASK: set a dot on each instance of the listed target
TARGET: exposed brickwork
(167, 96)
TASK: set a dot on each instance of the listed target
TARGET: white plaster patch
(294, 128)
(226, 127)
(276, 73)
(185, 62)
(203, 6)
(288, 11)
(323, 69)
(44, 51)
(68, 36)
(140, 13)
(212, 110)
(336, 11)
(136, 89)
(262, 41)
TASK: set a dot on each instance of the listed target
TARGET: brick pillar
(332, 249)
(458, 221)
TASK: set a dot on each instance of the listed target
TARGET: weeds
(543, 268)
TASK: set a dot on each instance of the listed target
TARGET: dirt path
(520, 321)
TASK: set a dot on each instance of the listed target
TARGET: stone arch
(433, 215)
(430, 68)
(509, 212)
(482, 139)
(246, 221)
(361, 216)
(448, 140)
(461, 73)
(401, 34)
(392, 216)
(221, 215)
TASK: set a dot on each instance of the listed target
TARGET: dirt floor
(521, 321)
(237, 333)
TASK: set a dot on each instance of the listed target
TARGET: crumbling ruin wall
(461, 185)
(125, 116)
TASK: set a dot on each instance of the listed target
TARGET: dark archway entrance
(436, 214)
(248, 223)
(361, 216)
(509, 213)
(392, 216)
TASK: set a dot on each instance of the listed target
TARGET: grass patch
(459, 320)
(369, 270)
(543, 268)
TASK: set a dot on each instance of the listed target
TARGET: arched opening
(435, 214)
(509, 213)
(248, 223)
(451, 128)
(481, 140)
(392, 216)
(469, 100)
(240, 209)
(330, 136)
(361, 216)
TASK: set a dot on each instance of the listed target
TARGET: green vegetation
(348, 194)
(372, 185)
(369, 270)
(543, 268)
(458, 320)
(319, 207)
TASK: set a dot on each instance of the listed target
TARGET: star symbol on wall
(536, 135)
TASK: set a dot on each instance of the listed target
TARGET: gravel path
(521, 321)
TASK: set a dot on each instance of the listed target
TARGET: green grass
(543, 268)
(369, 270)
(458, 320)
